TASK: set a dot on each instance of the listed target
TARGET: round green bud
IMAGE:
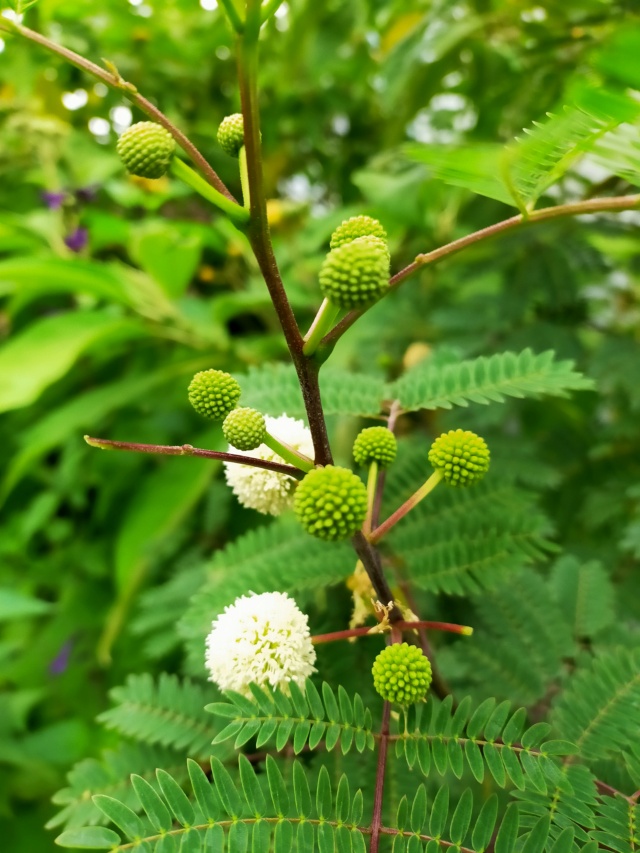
(375, 444)
(244, 428)
(357, 226)
(146, 149)
(402, 674)
(331, 503)
(213, 394)
(356, 273)
(462, 456)
(231, 134)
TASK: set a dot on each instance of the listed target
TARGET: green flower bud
(402, 674)
(462, 456)
(244, 428)
(231, 134)
(331, 503)
(357, 226)
(375, 444)
(213, 394)
(146, 149)
(356, 273)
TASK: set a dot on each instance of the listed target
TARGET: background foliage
(361, 105)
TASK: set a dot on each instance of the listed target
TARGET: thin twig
(578, 208)
(189, 450)
(113, 79)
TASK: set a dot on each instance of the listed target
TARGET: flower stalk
(376, 535)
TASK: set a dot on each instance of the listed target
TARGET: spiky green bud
(357, 226)
(331, 503)
(231, 134)
(402, 674)
(462, 456)
(146, 149)
(244, 428)
(356, 273)
(213, 394)
(375, 444)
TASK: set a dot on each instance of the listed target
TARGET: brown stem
(371, 561)
(189, 450)
(259, 236)
(450, 627)
(610, 791)
(113, 79)
(376, 820)
(577, 208)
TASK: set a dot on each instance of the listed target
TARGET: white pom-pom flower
(268, 491)
(262, 639)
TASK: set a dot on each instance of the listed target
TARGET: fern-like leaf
(307, 717)
(168, 712)
(486, 380)
(585, 593)
(599, 709)
(617, 824)
(473, 542)
(570, 805)
(522, 638)
(109, 775)
(490, 739)
(546, 151)
(274, 389)
(261, 811)
(619, 152)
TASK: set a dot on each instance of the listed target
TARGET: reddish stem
(376, 820)
(450, 627)
(189, 450)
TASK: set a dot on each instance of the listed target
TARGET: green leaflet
(273, 389)
(111, 774)
(83, 413)
(585, 593)
(165, 711)
(487, 379)
(235, 812)
(45, 352)
(598, 710)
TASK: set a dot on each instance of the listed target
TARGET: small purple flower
(77, 240)
(54, 200)
(61, 661)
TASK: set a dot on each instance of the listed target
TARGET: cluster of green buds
(215, 394)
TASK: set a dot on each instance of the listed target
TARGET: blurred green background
(114, 291)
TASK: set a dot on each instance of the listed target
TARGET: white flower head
(262, 639)
(268, 491)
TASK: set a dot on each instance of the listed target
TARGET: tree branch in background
(112, 78)
(577, 208)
